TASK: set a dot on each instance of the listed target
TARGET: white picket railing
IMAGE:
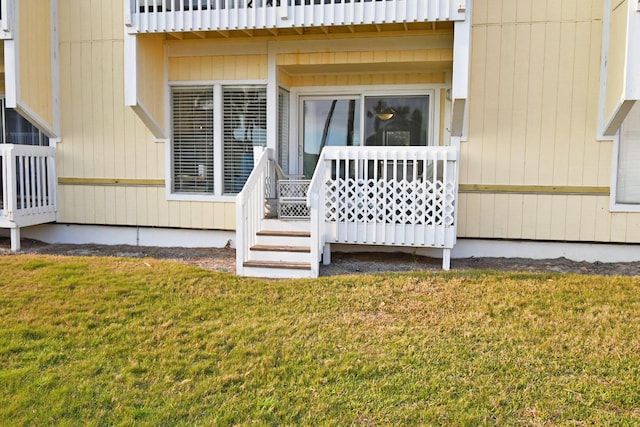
(250, 208)
(148, 16)
(27, 187)
(392, 196)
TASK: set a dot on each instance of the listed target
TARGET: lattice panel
(293, 210)
(390, 202)
(293, 188)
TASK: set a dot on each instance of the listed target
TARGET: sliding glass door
(332, 121)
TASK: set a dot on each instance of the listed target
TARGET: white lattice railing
(148, 16)
(394, 196)
(250, 208)
(27, 187)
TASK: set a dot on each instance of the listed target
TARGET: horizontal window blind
(283, 129)
(628, 185)
(244, 127)
(192, 132)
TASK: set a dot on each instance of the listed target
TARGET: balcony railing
(392, 196)
(27, 187)
(149, 16)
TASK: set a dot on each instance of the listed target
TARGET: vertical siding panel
(573, 214)
(163, 206)
(558, 218)
(64, 163)
(501, 215)
(543, 218)
(111, 206)
(523, 11)
(549, 103)
(86, 112)
(121, 200)
(529, 219)
(564, 110)
(473, 215)
(132, 205)
(633, 228)
(108, 159)
(554, 11)
(119, 113)
(230, 216)
(98, 100)
(514, 230)
(463, 212)
(618, 227)
(534, 104)
(494, 11)
(603, 220)
(588, 218)
(217, 217)
(569, 9)
(520, 113)
(539, 11)
(140, 215)
(470, 170)
(487, 214)
(504, 136)
(580, 143)
(592, 147)
(100, 203)
(208, 214)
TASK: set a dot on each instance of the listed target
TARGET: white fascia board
(609, 126)
(461, 72)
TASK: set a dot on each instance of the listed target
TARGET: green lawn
(108, 341)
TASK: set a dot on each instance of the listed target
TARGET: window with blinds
(192, 110)
(283, 129)
(244, 127)
(628, 179)
(15, 129)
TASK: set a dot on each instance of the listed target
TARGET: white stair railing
(250, 208)
(316, 204)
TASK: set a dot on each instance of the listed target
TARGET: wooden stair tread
(284, 233)
(277, 264)
(273, 248)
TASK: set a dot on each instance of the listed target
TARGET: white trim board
(485, 248)
(128, 235)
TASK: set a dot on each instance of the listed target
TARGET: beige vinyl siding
(535, 73)
(34, 57)
(151, 76)
(101, 138)
(367, 79)
(215, 68)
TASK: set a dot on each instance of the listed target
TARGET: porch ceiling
(369, 68)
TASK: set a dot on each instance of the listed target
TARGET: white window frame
(614, 205)
(298, 94)
(218, 136)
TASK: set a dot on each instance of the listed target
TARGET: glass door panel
(397, 120)
(327, 122)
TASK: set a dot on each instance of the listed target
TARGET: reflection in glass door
(327, 122)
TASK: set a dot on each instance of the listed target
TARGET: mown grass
(107, 341)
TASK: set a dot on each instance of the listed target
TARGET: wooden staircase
(282, 249)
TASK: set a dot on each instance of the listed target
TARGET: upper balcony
(201, 16)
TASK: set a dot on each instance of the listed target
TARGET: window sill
(192, 197)
(624, 207)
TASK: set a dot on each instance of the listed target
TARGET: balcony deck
(174, 16)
